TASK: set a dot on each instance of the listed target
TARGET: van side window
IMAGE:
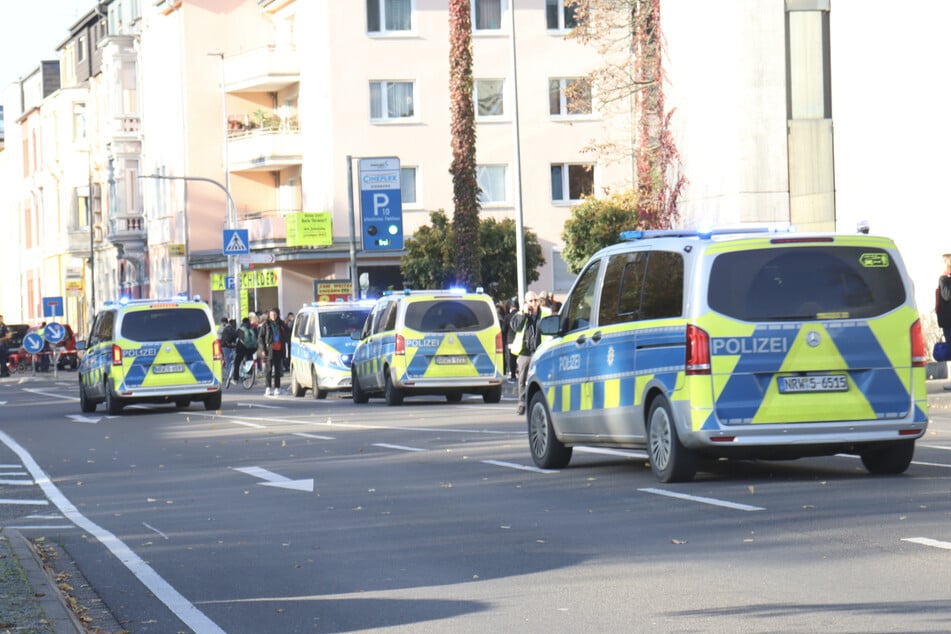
(663, 294)
(621, 291)
(391, 309)
(576, 314)
(305, 326)
(104, 326)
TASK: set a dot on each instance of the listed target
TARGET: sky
(31, 30)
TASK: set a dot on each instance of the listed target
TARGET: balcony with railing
(265, 228)
(128, 230)
(263, 141)
(262, 70)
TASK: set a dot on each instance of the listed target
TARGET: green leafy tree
(597, 223)
(430, 255)
(465, 186)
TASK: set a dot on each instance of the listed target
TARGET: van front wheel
(890, 460)
(547, 451)
(670, 460)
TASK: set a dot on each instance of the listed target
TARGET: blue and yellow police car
(751, 343)
(151, 351)
(429, 342)
(322, 346)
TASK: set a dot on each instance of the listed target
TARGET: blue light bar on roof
(706, 233)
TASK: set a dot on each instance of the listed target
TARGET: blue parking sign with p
(381, 204)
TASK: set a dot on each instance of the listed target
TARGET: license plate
(813, 383)
(168, 368)
(452, 360)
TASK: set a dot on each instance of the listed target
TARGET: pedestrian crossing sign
(235, 242)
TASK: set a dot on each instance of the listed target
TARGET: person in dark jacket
(942, 303)
(527, 338)
(273, 339)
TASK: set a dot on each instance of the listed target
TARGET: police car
(322, 346)
(151, 350)
(737, 344)
(429, 342)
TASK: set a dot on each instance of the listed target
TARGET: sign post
(381, 204)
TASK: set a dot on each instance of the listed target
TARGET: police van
(322, 346)
(429, 342)
(737, 344)
(151, 351)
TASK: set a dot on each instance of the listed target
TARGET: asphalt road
(295, 515)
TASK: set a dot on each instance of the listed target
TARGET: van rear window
(449, 315)
(805, 282)
(165, 324)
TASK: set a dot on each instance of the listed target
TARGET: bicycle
(248, 373)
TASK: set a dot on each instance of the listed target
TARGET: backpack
(249, 338)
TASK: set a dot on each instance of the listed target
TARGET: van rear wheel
(670, 460)
(393, 395)
(890, 460)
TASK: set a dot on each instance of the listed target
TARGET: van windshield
(342, 323)
(165, 324)
(449, 315)
(805, 282)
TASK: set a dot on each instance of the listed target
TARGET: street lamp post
(234, 267)
(517, 164)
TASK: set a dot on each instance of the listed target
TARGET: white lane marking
(915, 462)
(315, 436)
(36, 516)
(399, 447)
(155, 530)
(624, 453)
(925, 541)
(277, 480)
(261, 405)
(18, 482)
(11, 466)
(66, 397)
(79, 418)
(163, 590)
(25, 502)
(703, 500)
(247, 424)
(936, 447)
(6, 474)
(520, 467)
(44, 527)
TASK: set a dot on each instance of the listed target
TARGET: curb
(61, 619)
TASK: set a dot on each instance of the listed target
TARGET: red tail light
(400, 345)
(919, 353)
(698, 350)
(216, 350)
(499, 348)
(116, 355)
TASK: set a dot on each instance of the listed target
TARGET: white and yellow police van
(737, 344)
(151, 351)
(322, 346)
(430, 342)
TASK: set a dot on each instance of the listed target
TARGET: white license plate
(813, 383)
(452, 360)
(168, 368)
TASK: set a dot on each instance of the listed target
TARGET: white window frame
(385, 32)
(475, 99)
(415, 204)
(484, 168)
(503, 17)
(384, 118)
(566, 184)
(563, 99)
(561, 28)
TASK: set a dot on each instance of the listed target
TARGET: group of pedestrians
(267, 339)
(522, 334)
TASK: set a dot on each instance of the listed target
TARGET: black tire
(113, 403)
(547, 451)
(454, 397)
(393, 395)
(86, 404)
(492, 395)
(213, 402)
(247, 381)
(297, 389)
(359, 396)
(319, 394)
(891, 460)
(670, 460)
(182, 403)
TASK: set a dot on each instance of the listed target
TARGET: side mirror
(356, 335)
(81, 344)
(550, 325)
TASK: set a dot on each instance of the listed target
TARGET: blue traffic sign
(54, 333)
(52, 306)
(33, 342)
(229, 282)
(381, 204)
(235, 242)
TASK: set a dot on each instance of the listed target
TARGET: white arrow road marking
(927, 541)
(277, 480)
(79, 418)
(399, 447)
(703, 500)
(66, 397)
(520, 467)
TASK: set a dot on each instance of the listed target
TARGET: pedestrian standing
(272, 343)
(289, 322)
(245, 346)
(528, 336)
(943, 303)
(227, 335)
(5, 335)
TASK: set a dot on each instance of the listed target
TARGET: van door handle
(580, 340)
(596, 337)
